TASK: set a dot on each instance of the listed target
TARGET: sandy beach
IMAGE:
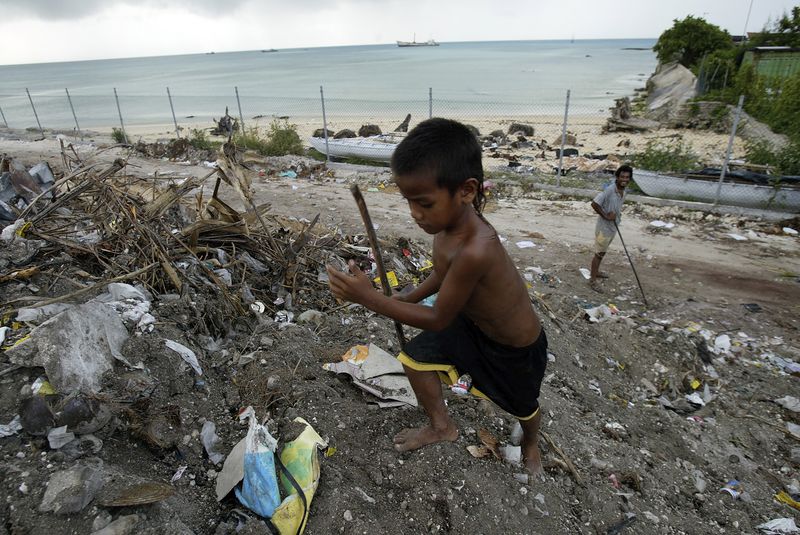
(539, 156)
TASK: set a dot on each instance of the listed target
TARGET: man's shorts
(602, 241)
(509, 376)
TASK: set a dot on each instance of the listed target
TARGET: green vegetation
(709, 52)
(785, 161)
(118, 135)
(199, 140)
(670, 156)
(689, 40)
(280, 140)
(784, 32)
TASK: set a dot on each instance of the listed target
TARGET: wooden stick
(66, 297)
(563, 455)
(376, 251)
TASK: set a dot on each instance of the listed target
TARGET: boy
(482, 322)
(608, 205)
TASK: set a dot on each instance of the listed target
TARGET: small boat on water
(429, 42)
(753, 190)
(378, 148)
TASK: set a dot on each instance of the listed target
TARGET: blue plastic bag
(259, 491)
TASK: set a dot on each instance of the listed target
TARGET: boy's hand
(611, 216)
(356, 288)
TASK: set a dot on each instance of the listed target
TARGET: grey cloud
(75, 9)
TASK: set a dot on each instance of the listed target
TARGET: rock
(121, 526)
(668, 89)
(569, 139)
(567, 152)
(84, 415)
(36, 416)
(320, 132)
(498, 135)
(75, 347)
(369, 130)
(345, 132)
(311, 316)
(348, 516)
(102, 519)
(474, 130)
(622, 120)
(403, 127)
(525, 129)
(651, 517)
(69, 491)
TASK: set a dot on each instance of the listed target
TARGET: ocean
(514, 78)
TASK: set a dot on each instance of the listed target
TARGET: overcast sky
(64, 30)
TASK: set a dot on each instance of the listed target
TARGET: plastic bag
(300, 471)
(259, 491)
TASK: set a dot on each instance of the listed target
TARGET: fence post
(239, 104)
(77, 126)
(430, 102)
(34, 112)
(730, 148)
(563, 141)
(174, 120)
(121, 123)
(3, 115)
(324, 125)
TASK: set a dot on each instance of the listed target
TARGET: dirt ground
(614, 397)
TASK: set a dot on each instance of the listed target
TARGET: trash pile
(169, 352)
(142, 312)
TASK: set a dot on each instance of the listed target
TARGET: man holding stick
(608, 205)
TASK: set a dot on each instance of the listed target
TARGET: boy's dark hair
(622, 169)
(445, 148)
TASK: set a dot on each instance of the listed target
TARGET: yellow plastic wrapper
(784, 497)
(301, 459)
(391, 277)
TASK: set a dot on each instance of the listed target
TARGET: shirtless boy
(482, 322)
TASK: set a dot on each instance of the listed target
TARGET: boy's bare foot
(533, 461)
(411, 439)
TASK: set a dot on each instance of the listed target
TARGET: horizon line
(272, 50)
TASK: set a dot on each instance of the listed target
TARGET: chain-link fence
(578, 143)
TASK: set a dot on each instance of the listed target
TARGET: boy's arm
(427, 287)
(455, 290)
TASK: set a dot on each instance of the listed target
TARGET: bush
(282, 139)
(199, 140)
(671, 156)
(118, 135)
(250, 139)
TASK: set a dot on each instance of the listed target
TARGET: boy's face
(433, 208)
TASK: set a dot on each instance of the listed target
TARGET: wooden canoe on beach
(378, 148)
(695, 187)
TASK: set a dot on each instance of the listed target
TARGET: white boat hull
(367, 148)
(731, 193)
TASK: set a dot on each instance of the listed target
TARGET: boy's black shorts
(509, 376)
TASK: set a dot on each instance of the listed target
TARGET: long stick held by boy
(482, 322)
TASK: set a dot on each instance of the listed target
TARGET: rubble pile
(152, 334)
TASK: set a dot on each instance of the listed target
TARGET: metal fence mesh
(520, 139)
